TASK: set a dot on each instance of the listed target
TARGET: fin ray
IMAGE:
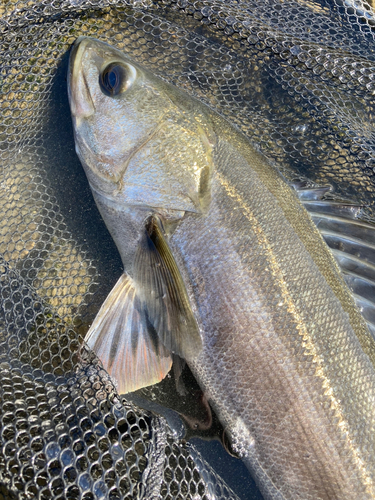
(351, 240)
(352, 229)
(360, 286)
(125, 342)
(354, 265)
(333, 209)
(163, 293)
(367, 309)
(352, 248)
(309, 193)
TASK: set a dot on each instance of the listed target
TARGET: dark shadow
(70, 186)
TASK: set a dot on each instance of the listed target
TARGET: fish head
(140, 141)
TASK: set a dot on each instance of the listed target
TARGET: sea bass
(223, 267)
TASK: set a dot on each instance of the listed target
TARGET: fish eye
(116, 78)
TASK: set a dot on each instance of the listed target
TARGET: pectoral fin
(163, 293)
(126, 342)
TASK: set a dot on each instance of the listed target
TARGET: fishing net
(297, 77)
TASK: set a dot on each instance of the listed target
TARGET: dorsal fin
(351, 240)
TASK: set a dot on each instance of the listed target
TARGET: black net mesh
(297, 77)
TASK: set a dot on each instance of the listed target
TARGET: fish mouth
(77, 47)
(73, 60)
(81, 103)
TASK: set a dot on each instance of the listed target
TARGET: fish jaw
(81, 104)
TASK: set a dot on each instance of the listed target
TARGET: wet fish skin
(285, 359)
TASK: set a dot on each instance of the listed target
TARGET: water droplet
(67, 457)
(46, 425)
(116, 451)
(100, 489)
(52, 451)
(301, 128)
(20, 403)
(84, 481)
(295, 50)
(118, 410)
(100, 430)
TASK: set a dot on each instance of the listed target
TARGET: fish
(224, 268)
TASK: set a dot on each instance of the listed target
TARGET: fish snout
(81, 103)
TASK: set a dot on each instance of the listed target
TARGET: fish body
(224, 267)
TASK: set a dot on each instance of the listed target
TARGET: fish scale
(296, 77)
(228, 273)
(358, 375)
